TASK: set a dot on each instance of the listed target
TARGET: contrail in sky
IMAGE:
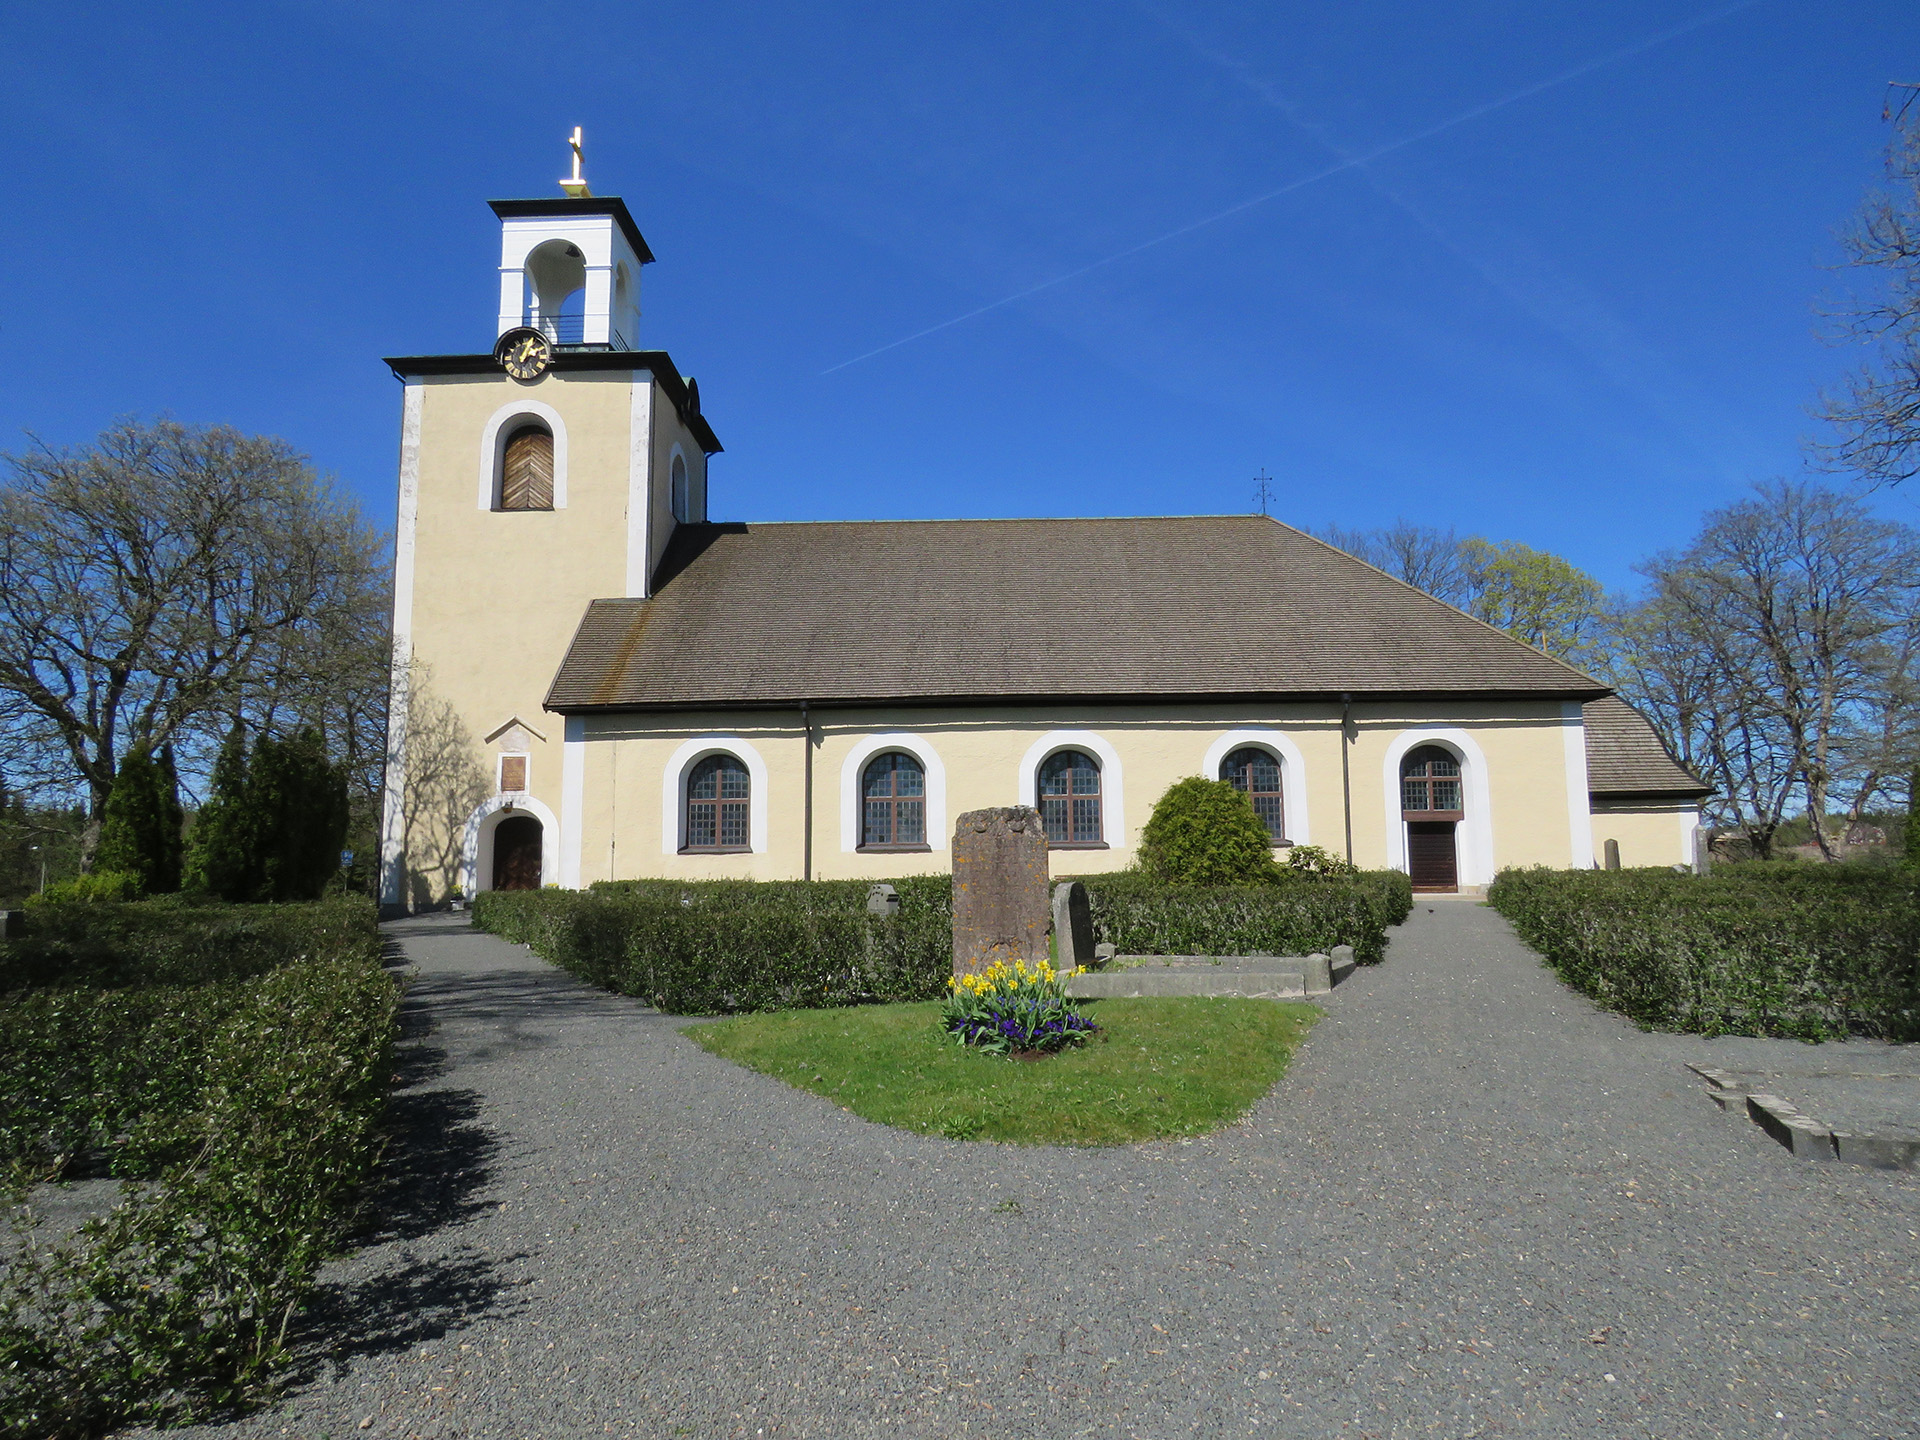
(1612, 57)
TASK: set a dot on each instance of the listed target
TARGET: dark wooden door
(1430, 855)
(516, 854)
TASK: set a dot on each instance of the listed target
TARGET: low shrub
(709, 947)
(1009, 1008)
(109, 886)
(250, 1110)
(1295, 915)
(1205, 832)
(176, 941)
(1814, 952)
(721, 946)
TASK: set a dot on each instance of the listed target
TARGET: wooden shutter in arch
(526, 475)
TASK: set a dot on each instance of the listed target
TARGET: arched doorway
(517, 853)
(1432, 806)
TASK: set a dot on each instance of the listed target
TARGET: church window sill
(895, 850)
(1078, 845)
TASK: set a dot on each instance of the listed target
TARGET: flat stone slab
(1857, 1114)
(1138, 981)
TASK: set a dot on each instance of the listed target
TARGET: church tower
(539, 475)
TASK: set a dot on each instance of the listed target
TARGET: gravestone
(1613, 854)
(883, 899)
(999, 888)
(1072, 926)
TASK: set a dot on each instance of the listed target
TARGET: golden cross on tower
(576, 188)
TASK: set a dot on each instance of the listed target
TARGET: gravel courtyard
(1475, 1206)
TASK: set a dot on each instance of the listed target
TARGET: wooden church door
(1432, 806)
(516, 854)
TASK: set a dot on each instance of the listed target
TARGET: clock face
(524, 353)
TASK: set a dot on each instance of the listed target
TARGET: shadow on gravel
(421, 1300)
(440, 1159)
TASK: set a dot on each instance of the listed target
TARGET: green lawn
(1157, 1067)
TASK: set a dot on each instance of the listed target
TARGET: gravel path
(1475, 1206)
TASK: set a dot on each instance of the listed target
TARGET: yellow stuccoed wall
(626, 760)
(497, 596)
(1648, 834)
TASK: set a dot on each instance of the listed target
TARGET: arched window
(717, 796)
(679, 491)
(1070, 798)
(1430, 785)
(526, 469)
(893, 799)
(1255, 773)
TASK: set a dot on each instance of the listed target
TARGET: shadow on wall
(445, 783)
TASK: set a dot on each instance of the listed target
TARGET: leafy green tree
(1536, 597)
(1911, 840)
(140, 832)
(1205, 832)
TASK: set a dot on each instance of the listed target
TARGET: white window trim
(1473, 837)
(493, 448)
(476, 846)
(1293, 774)
(500, 771)
(1573, 734)
(673, 790)
(1113, 811)
(851, 769)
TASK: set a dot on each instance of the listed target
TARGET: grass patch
(1159, 1067)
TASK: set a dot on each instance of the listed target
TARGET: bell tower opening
(570, 268)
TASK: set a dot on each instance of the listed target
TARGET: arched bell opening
(556, 282)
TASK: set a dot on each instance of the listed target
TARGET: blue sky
(1559, 286)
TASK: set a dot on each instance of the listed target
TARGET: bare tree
(1533, 595)
(159, 582)
(1427, 558)
(1784, 631)
(1877, 414)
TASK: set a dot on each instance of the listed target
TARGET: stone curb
(1802, 1134)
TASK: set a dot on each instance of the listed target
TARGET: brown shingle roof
(975, 609)
(1626, 757)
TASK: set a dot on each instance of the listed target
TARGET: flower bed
(1012, 1010)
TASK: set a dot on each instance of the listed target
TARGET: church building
(593, 680)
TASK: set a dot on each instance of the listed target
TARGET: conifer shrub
(1205, 832)
(1814, 952)
(141, 824)
(274, 822)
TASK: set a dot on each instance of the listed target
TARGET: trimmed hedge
(712, 947)
(251, 1106)
(111, 1077)
(1813, 952)
(1293, 915)
(174, 941)
(706, 947)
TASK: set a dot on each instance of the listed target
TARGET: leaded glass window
(1255, 773)
(1070, 798)
(1430, 783)
(893, 799)
(718, 792)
